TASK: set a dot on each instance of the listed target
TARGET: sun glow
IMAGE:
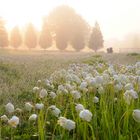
(116, 17)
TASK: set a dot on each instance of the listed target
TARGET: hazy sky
(116, 17)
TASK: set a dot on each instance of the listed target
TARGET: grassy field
(20, 71)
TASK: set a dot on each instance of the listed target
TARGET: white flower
(118, 87)
(14, 121)
(138, 72)
(33, 117)
(76, 79)
(69, 87)
(10, 108)
(136, 115)
(79, 107)
(123, 78)
(52, 95)
(129, 95)
(106, 78)
(87, 79)
(69, 125)
(111, 70)
(99, 80)
(61, 87)
(62, 90)
(137, 65)
(92, 82)
(55, 111)
(39, 82)
(66, 123)
(47, 82)
(18, 110)
(35, 89)
(95, 99)
(62, 121)
(85, 115)
(128, 86)
(28, 106)
(39, 106)
(76, 94)
(83, 85)
(43, 93)
(84, 74)
(4, 118)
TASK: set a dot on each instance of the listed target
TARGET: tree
(78, 42)
(61, 41)
(30, 36)
(68, 26)
(3, 34)
(45, 39)
(15, 39)
(96, 38)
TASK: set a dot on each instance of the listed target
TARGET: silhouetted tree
(3, 34)
(30, 36)
(45, 39)
(96, 38)
(61, 41)
(78, 42)
(15, 38)
(67, 24)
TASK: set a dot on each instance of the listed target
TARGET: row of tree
(63, 25)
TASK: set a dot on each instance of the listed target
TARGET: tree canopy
(96, 38)
(15, 38)
(45, 39)
(30, 36)
(3, 34)
(69, 27)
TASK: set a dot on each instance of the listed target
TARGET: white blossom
(66, 123)
(86, 115)
(14, 121)
(129, 95)
(35, 89)
(4, 118)
(52, 95)
(76, 94)
(128, 86)
(136, 115)
(99, 80)
(28, 106)
(55, 111)
(95, 99)
(43, 93)
(138, 72)
(39, 106)
(79, 107)
(33, 117)
(83, 85)
(118, 87)
(10, 108)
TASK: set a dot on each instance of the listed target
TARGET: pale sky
(116, 17)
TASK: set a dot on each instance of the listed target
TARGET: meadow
(69, 96)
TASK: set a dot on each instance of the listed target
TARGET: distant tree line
(63, 25)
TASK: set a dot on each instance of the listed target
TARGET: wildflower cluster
(99, 101)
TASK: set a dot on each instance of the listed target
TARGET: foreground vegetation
(43, 97)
